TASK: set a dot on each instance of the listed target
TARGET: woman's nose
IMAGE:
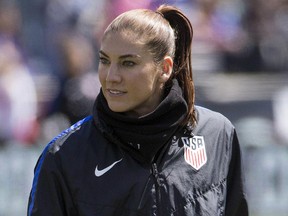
(113, 74)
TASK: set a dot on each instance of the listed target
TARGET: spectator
(80, 84)
(18, 85)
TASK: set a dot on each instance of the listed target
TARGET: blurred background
(48, 81)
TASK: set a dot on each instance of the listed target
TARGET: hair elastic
(158, 12)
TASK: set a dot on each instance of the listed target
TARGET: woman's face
(131, 81)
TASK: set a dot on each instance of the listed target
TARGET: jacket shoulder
(212, 119)
(77, 131)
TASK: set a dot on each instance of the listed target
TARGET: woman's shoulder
(72, 136)
(214, 119)
(63, 147)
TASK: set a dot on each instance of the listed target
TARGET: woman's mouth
(114, 92)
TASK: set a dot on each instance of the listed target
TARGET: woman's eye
(128, 63)
(104, 61)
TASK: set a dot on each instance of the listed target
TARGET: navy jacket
(82, 173)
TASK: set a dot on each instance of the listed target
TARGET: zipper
(155, 173)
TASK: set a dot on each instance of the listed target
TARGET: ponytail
(182, 69)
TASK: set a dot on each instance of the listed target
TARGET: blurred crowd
(48, 53)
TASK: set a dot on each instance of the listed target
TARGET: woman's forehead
(122, 42)
(126, 34)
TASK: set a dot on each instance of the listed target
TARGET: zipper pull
(156, 173)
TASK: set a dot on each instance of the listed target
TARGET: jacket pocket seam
(195, 195)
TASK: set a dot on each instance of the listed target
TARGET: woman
(147, 149)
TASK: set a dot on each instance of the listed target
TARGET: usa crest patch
(195, 151)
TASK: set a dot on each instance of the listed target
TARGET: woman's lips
(114, 92)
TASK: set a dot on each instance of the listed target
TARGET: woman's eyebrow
(122, 56)
(129, 56)
(103, 53)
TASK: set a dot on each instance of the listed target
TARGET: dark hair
(167, 31)
(182, 69)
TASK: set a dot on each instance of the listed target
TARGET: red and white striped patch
(195, 151)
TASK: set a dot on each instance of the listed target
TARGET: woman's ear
(167, 68)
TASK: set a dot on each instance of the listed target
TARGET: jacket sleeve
(50, 194)
(236, 204)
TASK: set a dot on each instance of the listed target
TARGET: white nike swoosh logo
(99, 173)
